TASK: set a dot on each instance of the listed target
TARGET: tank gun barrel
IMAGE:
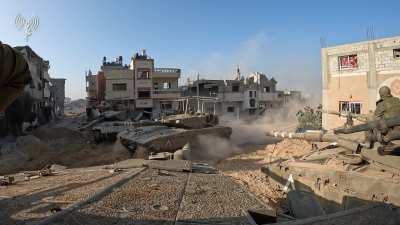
(390, 122)
(317, 136)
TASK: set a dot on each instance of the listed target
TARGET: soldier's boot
(387, 148)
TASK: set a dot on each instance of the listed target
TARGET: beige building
(353, 73)
(140, 87)
(119, 84)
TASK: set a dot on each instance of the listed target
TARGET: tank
(108, 130)
(339, 179)
(155, 139)
(191, 121)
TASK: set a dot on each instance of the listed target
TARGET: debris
(203, 168)
(163, 173)
(57, 168)
(6, 180)
(161, 156)
(116, 170)
(158, 207)
(55, 209)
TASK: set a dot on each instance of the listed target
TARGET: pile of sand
(57, 146)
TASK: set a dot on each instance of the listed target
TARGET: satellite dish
(29, 26)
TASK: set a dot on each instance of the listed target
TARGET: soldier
(14, 75)
(386, 107)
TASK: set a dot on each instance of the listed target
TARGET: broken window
(347, 106)
(144, 94)
(267, 89)
(347, 62)
(143, 74)
(235, 88)
(230, 109)
(119, 87)
(396, 53)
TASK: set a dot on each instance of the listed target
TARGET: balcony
(231, 96)
(166, 73)
(167, 94)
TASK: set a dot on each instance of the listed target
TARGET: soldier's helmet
(384, 92)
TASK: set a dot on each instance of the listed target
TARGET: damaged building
(42, 99)
(138, 87)
(241, 96)
(57, 93)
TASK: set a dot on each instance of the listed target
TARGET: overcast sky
(278, 38)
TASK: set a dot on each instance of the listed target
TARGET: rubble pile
(245, 168)
(56, 146)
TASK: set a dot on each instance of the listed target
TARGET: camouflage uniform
(386, 107)
(14, 75)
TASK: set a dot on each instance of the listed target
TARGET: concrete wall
(119, 76)
(376, 67)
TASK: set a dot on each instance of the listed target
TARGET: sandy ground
(57, 145)
(245, 168)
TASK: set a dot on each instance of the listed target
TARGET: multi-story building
(39, 88)
(353, 73)
(57, 92)
(95, 88)
(138, 87)
(119, 85)
(165, 90)
(91, 88)
(240, 96)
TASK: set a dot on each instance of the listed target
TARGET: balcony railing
(167, 70)
(166, 91)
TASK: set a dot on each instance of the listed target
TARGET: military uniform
(387, 107)
(14, 75)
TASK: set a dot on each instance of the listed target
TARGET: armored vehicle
(108, 130)
(346, 177)
(153, 139)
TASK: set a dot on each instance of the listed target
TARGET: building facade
(57, 92)
(353, 73)
(39, 87)
(138, 87)
(119, 85)
(240, 96)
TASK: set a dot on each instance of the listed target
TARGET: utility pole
(198, 93)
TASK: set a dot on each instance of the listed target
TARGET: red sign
(348, 61)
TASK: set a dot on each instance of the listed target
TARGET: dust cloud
(249, 131)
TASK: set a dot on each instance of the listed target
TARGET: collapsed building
(241, 96)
